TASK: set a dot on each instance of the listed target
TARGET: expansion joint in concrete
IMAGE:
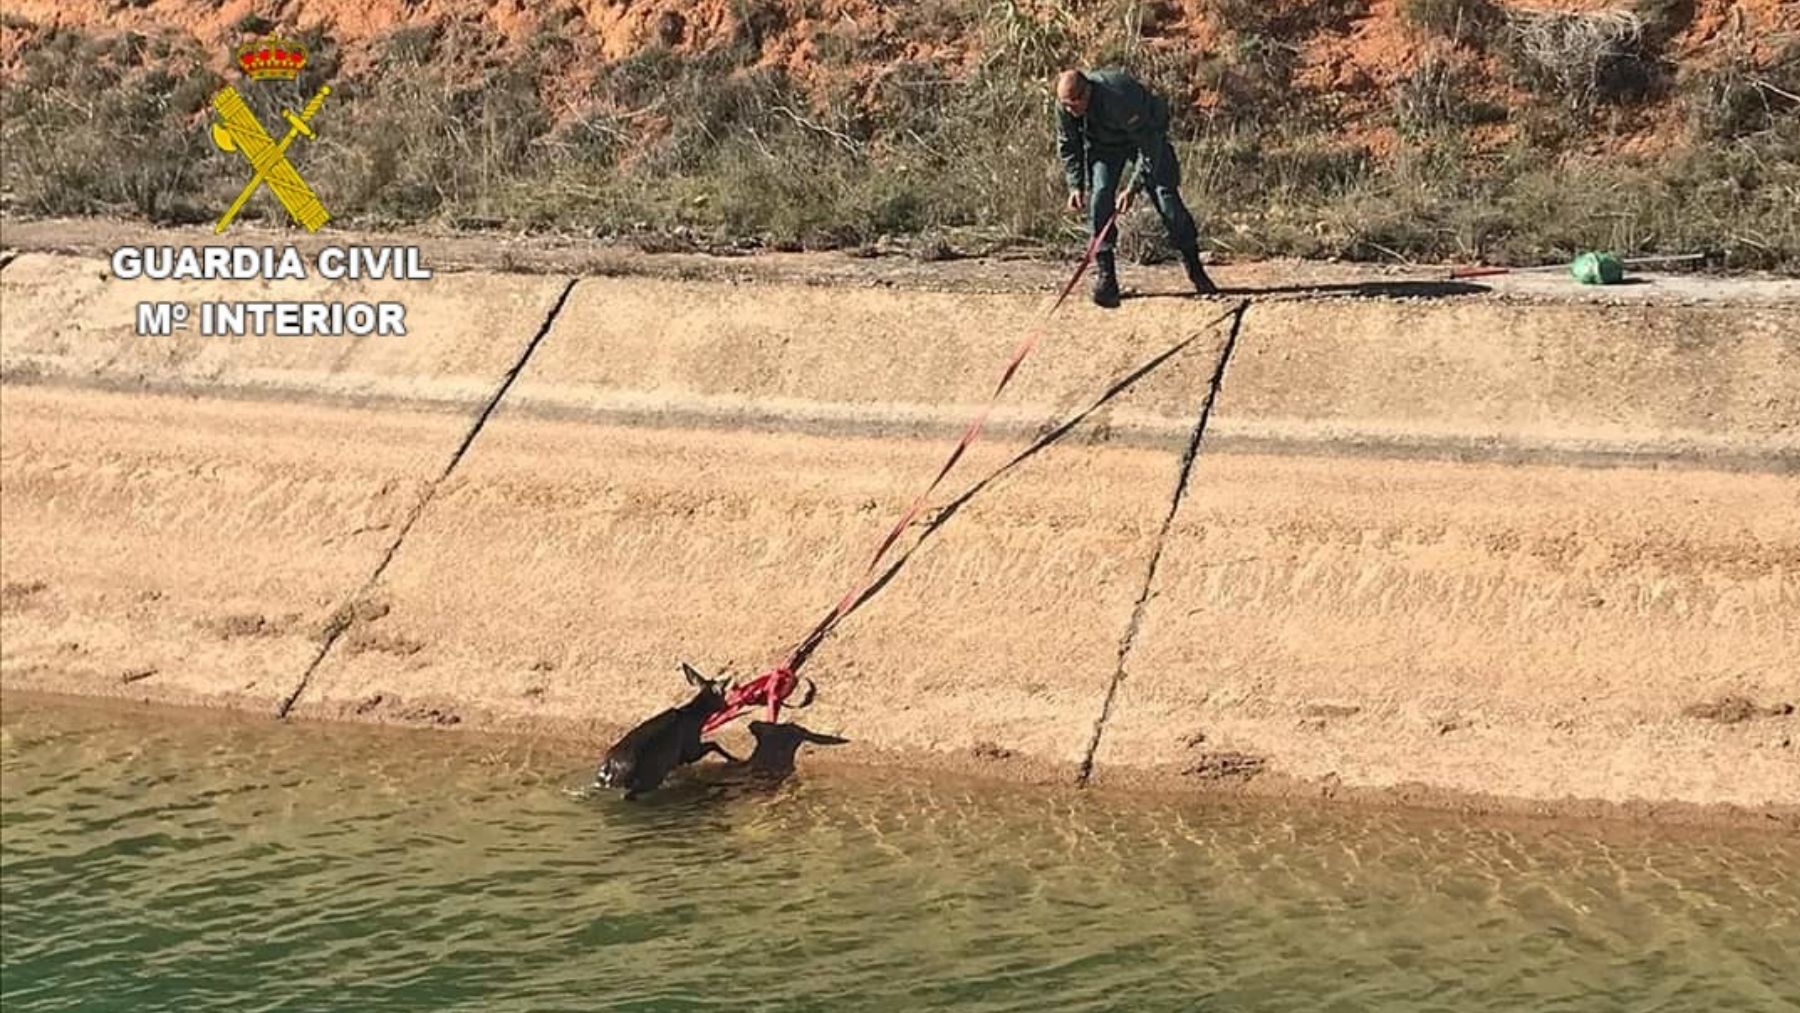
(1129, 639)
(342, 619)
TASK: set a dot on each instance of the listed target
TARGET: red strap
(774, 686)
(770, 689)
(797, 655)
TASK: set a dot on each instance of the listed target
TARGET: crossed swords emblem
(238, 129)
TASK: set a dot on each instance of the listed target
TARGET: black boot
(1190, 258)
(1106, 281)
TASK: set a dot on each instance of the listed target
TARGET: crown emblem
(272, 58)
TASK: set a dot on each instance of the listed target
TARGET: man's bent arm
(1072, 147)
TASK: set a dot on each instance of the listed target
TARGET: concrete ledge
(1016, 272)
(69, 322)
(1714, 380)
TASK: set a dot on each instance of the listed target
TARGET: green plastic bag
(1597, 269)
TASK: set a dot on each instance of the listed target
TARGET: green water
(156, 861)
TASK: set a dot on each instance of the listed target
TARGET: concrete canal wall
(1432, 541)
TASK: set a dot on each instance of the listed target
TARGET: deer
(647, 754)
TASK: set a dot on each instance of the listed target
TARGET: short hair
(1072, 80)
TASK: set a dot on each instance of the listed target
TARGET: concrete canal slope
(1448, 547)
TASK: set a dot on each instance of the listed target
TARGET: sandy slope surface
(1574, 587)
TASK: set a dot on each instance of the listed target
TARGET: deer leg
(714, 747)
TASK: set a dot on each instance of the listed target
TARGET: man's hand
(1077, 200)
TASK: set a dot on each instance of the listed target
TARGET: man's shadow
(1354, 290)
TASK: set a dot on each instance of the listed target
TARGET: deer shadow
(773, 761)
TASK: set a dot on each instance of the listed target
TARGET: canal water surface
(157, 861)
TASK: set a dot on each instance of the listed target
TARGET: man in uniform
(1104, 118)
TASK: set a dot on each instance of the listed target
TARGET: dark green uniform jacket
(1123, 118)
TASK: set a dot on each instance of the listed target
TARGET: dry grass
(679, 152)
(1584, 58)
(1467, 22)
(1739, 99)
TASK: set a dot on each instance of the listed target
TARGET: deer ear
(694, 678)
(724, 685)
